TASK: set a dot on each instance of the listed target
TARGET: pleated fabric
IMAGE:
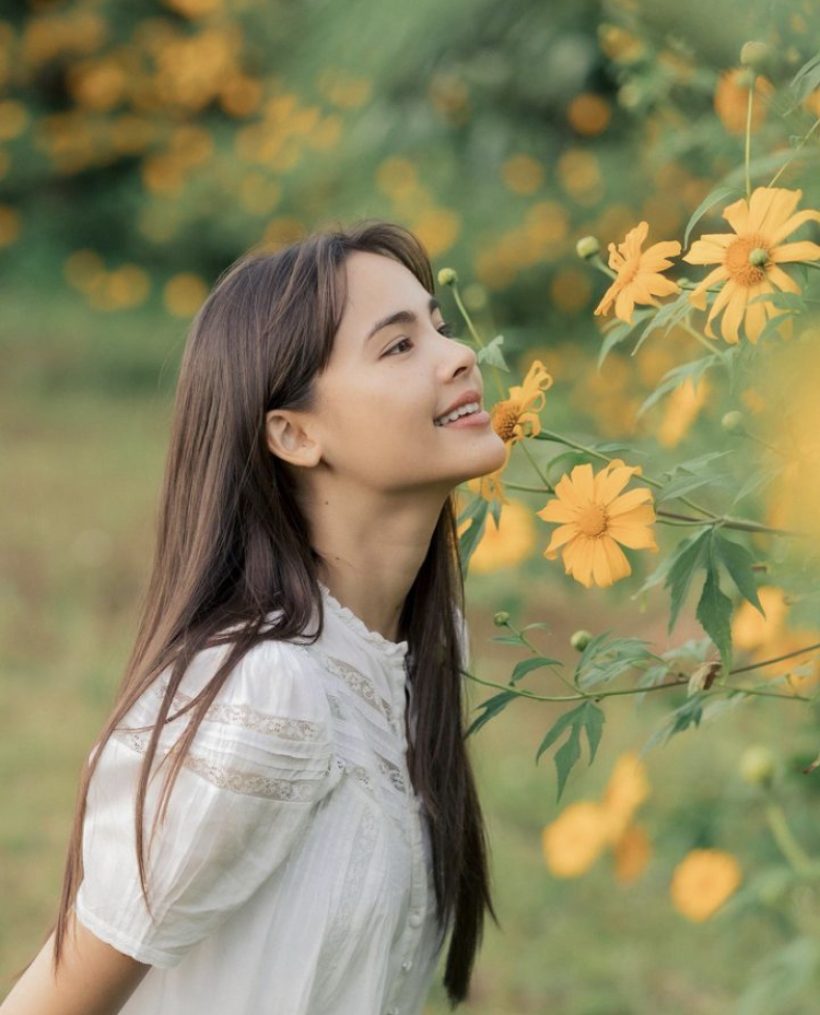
(292, 872)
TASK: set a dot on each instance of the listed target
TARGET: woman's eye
(446, 329)
(398, 345)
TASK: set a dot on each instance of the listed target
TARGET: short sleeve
(260, 763)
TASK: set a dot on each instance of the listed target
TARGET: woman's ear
(289, 439)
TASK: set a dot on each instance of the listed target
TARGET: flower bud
(755, 54)
(447, 276)
(580, 640)
(732, 422)
(587, 246)
(757, 765)
(758, 257)
(501, 618)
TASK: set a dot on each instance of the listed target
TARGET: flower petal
(702, 252)
(802, 250)
(557, 510)
(733, 315)
(562, 535)
(769, 207)
(625, 304)
(578, 560)
(601, 571)
(737, 215)
(787, 228)
(627, 501)
(584, 484)
(636, 537)
(616, 559)
(782, 280)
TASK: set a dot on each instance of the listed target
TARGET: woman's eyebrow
(401, 317)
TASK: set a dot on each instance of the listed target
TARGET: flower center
(746, 259)
(504, 417)
(592, 520)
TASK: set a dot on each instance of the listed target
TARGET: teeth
(464, 410)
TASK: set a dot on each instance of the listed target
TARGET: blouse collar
(394, 650)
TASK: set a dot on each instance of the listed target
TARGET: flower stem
(777, 659)
(476, 336)
(799, 145)
(548, 486)
(791, 849)
(749, 135)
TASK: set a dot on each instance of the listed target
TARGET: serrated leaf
(754, 481)
(492, 707)
(782, 301)
(528, 665)
(714, 611)
(618, 331)
(667, 317)
(586, 716)
(721, 193)
(492, 355)
(689, 554)
(738, 562)
(675, 377)
(470, 538)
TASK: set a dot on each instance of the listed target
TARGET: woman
(317, 833)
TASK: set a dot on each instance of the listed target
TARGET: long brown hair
(239, 549)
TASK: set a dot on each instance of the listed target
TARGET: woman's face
(383, 389)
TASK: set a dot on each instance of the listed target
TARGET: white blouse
(292, 872)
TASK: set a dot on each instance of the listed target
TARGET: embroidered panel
(235, 780)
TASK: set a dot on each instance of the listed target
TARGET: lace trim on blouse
(235, 780)
(248, 718)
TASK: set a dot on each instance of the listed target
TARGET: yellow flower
(575, 839)
(748, 259)
(626, 790)
(703, 881)
(638, 271)
(596, 519)
(732, 99)
(514, 418)
(632, 853)
(507, 545)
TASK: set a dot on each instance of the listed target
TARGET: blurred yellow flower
(589, 114)
(632, 853)
(748, 259)
(627, 789)
(638, 273)
(508, 544)
(703, 881)
(732, 99)
(522, 174)
(438, 229)
(10, 225)
(595, 518)
(184, 294)
(575, 839)
(681, 408)
(752, 631)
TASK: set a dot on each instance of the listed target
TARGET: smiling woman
(318, 833)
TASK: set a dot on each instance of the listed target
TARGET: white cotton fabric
(292, 873)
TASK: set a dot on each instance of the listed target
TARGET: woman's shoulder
(273, 678)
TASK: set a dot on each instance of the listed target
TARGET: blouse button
(407, 965)
(414, 919)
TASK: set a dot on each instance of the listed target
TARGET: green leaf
(492, 707)
(618, 331)
(689, 554)
(676, 376)
(603, 661)
(469, 539)
(714, 610)
(805, 80)
(528, 665)
(781, 977)
(782, 301)
(721, 193)
(491, 353)
(586, 716)
(686, 715)
(669, 315)
(738, 562)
